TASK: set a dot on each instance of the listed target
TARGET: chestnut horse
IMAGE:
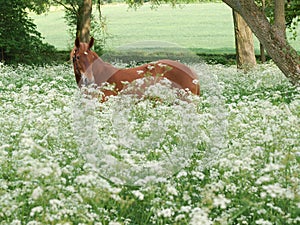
(89, 68)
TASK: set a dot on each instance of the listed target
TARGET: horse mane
(96, 56)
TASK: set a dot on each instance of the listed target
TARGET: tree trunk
(84, 21)
(279, 14)
(244, 46)
(262, 53)
(261, 47)
(285, 57)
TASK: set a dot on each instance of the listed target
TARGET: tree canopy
(292, 13)
(19, 38)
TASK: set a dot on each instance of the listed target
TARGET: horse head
(83, 59)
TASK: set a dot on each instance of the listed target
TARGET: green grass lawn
(53, 28)
(207, 27)
(203, 28)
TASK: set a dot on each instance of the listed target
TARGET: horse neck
(102, 71)
(103, 65)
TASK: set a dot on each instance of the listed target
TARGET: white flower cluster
(230, 156)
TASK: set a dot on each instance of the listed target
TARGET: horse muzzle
(86, 81)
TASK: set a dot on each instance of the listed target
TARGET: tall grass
(230, 156)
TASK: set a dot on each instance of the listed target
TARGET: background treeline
(179, 1)
(20, 41)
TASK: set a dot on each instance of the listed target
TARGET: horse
(90, 69)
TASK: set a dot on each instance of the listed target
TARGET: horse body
(89, 68)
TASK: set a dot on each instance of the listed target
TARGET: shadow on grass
(145, 55)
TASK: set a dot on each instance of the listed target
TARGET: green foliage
(292, 10)
(73, 12)
(293, 16)
(19, 39)
(158, 2)
(154, 3)
(292, 13)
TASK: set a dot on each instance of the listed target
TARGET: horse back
(180, 75)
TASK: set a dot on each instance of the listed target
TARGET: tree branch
(99, 9)
(71, 8)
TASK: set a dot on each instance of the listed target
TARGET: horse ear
(91, 43)
(77, 42)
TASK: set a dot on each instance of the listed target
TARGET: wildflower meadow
(230, 156)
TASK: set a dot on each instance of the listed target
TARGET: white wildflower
(15, 222)
(139, 82)
(268, 136)
(166, 82)
(172, 190)
(87, 179)
(185, 209)
(263, 222)
(116, 197)
(261, 211)
(297, 220)
(179, 217)
(33, 223)
(55, 204)
(11, 86)
(199, 217)
(186, 196)
(275, 190)
(36, 193)
(275, 208)
(195, 81)
(116, 190)
(181, 174)
(198, 174)
(138, 194)
(114, 223)
(221, 201)
(70, 189)
(263, 195)
(150, 67)
(166, 213)
(46, 171)
(272, 167)
(140, 72)
(289, 194)
(161, 65)
(127, 221)
(25, 89)
(35, 88)
(263, 179)
(35, 210)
